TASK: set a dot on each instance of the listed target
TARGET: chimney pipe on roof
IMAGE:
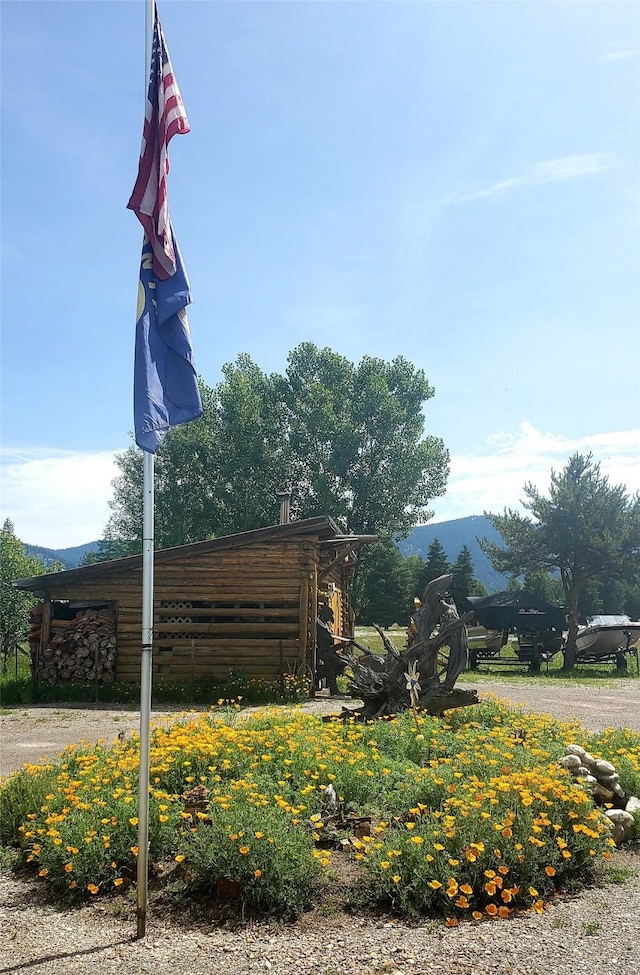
(285, 497)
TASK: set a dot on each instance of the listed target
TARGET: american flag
(165, 116)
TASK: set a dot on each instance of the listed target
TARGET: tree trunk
(571, 593)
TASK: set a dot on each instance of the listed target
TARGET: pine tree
(463, 576)
(436, 565)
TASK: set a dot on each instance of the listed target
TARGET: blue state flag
(165, 388)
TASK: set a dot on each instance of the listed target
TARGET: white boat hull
(600, 639)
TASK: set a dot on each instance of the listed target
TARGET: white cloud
(547, 171)
(56, 498)
(59, 498)
(493, 478)
(622, 55)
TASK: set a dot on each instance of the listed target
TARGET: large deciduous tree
(349, 440)
(586, 529)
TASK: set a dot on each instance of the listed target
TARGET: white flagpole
(147, 616)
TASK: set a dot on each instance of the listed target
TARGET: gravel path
(599, 929)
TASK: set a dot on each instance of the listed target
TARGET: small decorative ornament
(413, 686)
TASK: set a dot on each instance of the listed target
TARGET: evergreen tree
(381, 593)
(544, 586)
(416, 569)
(463, 576)
(436, 565)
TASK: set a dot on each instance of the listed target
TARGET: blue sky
(458, 183)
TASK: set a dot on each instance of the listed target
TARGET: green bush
(253, 854)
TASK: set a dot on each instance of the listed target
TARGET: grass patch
(370, 637)
(614, 874)
(458, 817)
(590, 673)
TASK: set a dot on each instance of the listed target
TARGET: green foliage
(462, 581)
(186, 506)
(436, 565)
(288, 689)
(109, 547)
(544, 586)
(348, 438)
(381, 591)
(586, 529)
(610, 596)
(271, 867)
(618, 745)
(14, 604)
(415, 568)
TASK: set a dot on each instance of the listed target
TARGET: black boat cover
(515, 610)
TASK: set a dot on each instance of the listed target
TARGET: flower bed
(470, 816)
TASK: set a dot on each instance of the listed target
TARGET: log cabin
(245, 603)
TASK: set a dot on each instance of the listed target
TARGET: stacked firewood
(78, 651)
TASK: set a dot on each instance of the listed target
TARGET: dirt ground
(35, 733)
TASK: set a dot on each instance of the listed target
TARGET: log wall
(251, 609)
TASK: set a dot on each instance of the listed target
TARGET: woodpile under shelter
(245, 603)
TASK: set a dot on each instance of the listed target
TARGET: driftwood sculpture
(437, 652)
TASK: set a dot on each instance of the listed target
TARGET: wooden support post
(304, 623)
(312, 618)
(45, 628)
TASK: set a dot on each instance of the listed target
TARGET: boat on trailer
(607, 635)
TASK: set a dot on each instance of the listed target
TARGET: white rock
(606, 768)
(608, 780)
(575, 750)
(570, 762)
(619, 816)
(617, 833)
(624, 820)
(633, 807)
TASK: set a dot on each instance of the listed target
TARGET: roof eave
(42, 585)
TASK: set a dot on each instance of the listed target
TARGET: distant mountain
(70, 557)
(453, 535)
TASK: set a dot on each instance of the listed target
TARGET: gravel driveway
(597, 930)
